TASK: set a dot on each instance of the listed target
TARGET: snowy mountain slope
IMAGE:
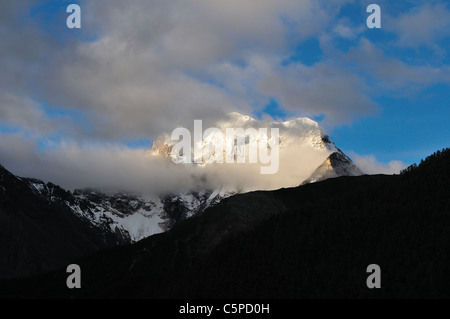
(130, 217)
(337, 164)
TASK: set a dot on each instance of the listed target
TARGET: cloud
(346, 30)
(370, 165)
(422, 26)
(142, 67)
(107, 167)
(323, 88)
(111, 167)
(24, 114)
(138, 69)
(391, 73)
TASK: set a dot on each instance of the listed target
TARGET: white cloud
(108, 167)
(320, 89)
(117, 168)
(155, 65)
(391, 73)
(424, 25)
(345, 29)
(148, 68)
(370, 165)
(24, 114)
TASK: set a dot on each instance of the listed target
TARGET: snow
(140, 225)
(40, 187)
(150, 218)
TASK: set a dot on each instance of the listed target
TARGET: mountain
(94, 219)
(132, 217)
(303, 146)
(312, 241)
(337, 164)
(306, 153)
(38, 234)
(44, 226)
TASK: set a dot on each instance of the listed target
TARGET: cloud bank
(370, 165)
(71, 99)
(117, 168)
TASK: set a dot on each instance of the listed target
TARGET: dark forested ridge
(38, 235)
(313, 241)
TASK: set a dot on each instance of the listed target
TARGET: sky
(72, 98)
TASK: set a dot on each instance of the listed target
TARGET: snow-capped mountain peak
(297, 131)
(306, 154)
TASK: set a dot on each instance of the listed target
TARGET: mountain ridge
(111, 219)
(38, 235)
(295, 245)
(133, 217)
